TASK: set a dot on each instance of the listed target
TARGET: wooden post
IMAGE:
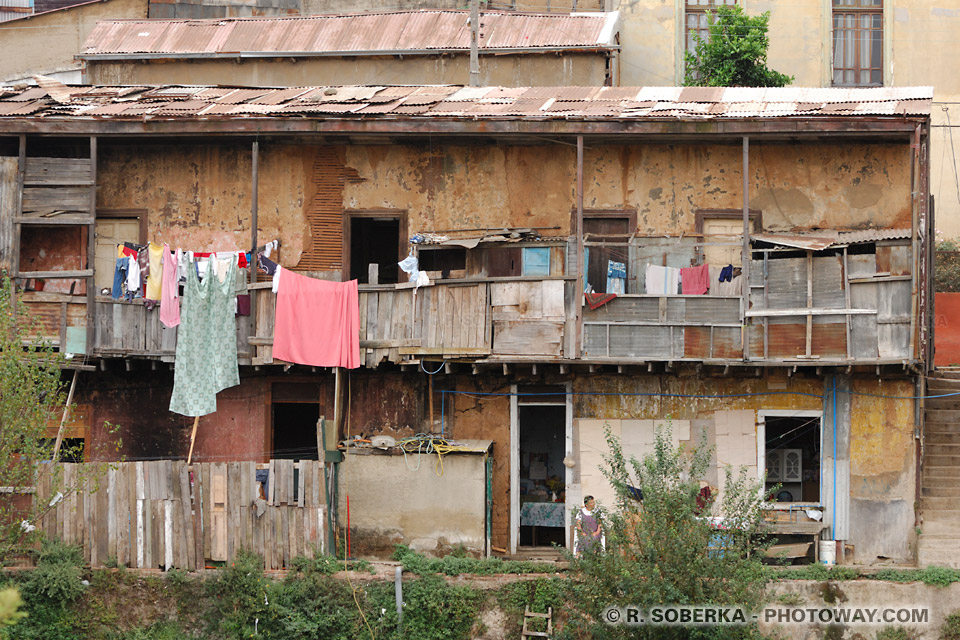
(193, 437)
(15, 258)
(809, 347)
(63, 419)
(91, 252)
(745, 253)
(431, 402)
(581, 276)
(321, 445)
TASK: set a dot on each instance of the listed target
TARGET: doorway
(374, 238)
(113, 227)
(606, 254)
(541, 436)
(789, 446)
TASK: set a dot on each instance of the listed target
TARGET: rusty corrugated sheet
(395, 31)
(54, 99)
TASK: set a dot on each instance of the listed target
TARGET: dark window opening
(611, 232)
(444, 260)
(374, 241)
(295, 430)
(792, 450)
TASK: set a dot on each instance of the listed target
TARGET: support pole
(745, 254)
(66, 413)
(474, 43)
(581, 276)
(193, 438)
(254, 209)
(91, 254)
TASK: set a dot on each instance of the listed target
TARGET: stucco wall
(391, 501)
(577, 69)
(47, 42)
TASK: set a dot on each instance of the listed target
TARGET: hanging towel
(662, 280)
(206, 360)
(597, 300)
(133, 277)
(170, 295)
(318, 321)
(695, 280)
(616, 277)
(155, 275)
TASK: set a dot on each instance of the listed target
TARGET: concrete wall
(192, 9)
(869, 595)
(47, 42)
(577, 69)
(392, 501)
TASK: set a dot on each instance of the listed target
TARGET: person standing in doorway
(589, 529)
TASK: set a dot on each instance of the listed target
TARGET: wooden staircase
(939, 542)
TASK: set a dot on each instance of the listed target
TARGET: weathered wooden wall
(164, 515)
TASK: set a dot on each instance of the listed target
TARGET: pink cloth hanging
(318, 321)
(170, 292)
(695, 280)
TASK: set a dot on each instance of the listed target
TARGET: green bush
(667, 551)
(950, 629)
(433, 610)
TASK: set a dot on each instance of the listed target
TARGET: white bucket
(828, 552)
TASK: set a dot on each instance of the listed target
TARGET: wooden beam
(578, 304)
(193, 438)
(745, 252)
(809, 337)
(75, 273)
(69, 221)
(91, 250)
(63, 418)
(781, 313)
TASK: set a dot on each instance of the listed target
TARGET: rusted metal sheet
(346, 34)
(57, 100)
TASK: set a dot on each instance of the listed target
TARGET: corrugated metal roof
(343, 34)
(824, 239)
(54, 99)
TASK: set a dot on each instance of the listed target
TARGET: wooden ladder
(529, 615)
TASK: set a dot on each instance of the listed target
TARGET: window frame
(693, 7)
(860, 9)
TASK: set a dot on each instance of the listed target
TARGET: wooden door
(111, 232)
(717, 230)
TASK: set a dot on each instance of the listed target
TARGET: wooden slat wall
(140, 514)
(8, 209)
(127, 328)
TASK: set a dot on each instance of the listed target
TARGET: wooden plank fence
(165, 515)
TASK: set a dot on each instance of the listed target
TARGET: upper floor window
(858, 42)
(697, 22)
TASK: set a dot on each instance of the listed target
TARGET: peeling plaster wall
(882, 447)
(538, 70)
(648, 34)
(795, 186)
(198, 195)
(883, 473)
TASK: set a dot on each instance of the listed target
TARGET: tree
(667, 551)
(734, 54)
(31, 399)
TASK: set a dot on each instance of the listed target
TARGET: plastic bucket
(828, 552)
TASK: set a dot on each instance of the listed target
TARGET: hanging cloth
(662, 280)
(695, 280)
(317, 322)
(206, 360)
(170, 295)
(155, 274)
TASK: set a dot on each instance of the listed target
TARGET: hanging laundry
(170, 295)
(206, 359)
(726, 274)
(133, 278)
(243, 304)
(270, 247)
(317, 322)
(695, 280)
(616, 277)
(662, 280)
(410, 265)
(155, 274)
(266, 265)
(597, 300)
(119, 277)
